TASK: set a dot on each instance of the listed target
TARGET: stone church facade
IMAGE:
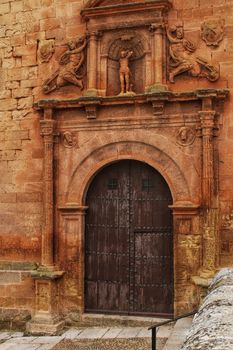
(116, 156)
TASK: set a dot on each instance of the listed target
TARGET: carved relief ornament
(71, 67)
(46, 50)
(212, 31)
(185, 136)
(69, 140)
(183, 58)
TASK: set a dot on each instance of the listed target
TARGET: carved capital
(156, 28)
(47, 128)
(207, 119)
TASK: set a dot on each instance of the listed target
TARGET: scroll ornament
(183, 58)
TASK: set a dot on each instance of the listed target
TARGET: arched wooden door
(129, 242)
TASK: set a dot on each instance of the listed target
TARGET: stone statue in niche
(212, 31)
(125, 73)
(46, 50)
(127, 50)
(70, 72)
(183, 58)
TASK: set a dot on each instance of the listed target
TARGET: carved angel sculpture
(184, 59)
(71, 62)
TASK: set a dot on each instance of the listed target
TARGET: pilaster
(92, 65)
(46, 318)
(209, 190)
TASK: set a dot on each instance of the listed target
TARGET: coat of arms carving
(212, 31)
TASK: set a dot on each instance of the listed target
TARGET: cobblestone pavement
(76, 339)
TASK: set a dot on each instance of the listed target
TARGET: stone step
(100, 320)
(178, 334)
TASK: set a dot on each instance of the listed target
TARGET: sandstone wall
(24, 25)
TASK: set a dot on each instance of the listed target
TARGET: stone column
(47, 132)
(92, 65)
(157, 60)
(209, 199)
(208, 176)
(46, 318)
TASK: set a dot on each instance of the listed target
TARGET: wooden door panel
(129, 262)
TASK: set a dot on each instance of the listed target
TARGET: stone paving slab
(178, 334)
(46, 347)
(129, 332)
(46, 340)
(108, 344)
(72, 333)
(92, 333)
(21, 340)
(112, 333)
(74, 337)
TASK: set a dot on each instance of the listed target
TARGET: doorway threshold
(112, 320)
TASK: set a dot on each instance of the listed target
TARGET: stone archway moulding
(113, 152)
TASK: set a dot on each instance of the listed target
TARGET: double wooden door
(128, 242)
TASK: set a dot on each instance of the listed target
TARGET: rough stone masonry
(212, 325)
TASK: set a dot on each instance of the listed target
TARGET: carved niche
(212, 31)
(71, 67)
(126, 64)
(183, 57)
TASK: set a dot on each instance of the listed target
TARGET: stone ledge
(17, 266)
(47, 273)
(162, 95)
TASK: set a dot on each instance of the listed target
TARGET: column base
(44, 326)
(91, 93)
(46, 318)
(205, 273)
(156, 88)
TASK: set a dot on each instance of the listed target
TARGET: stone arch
(142, 42)
(115, 151)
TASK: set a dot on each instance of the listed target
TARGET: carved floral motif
(183, 58)
(71, 67)
(212, 31)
